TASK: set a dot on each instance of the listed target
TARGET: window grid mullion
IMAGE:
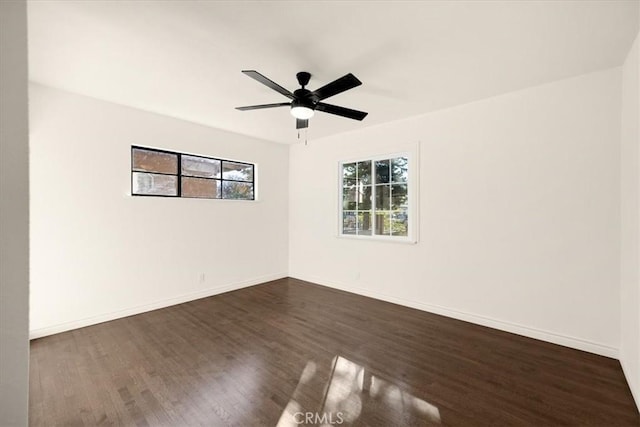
(179, 159)
(374, 183)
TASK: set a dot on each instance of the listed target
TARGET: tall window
(171, 174)
(375, 198)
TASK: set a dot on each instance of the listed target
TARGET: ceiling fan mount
(304, 102)
(303, 78)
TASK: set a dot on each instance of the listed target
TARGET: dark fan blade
(341, 111)
(265, 81)
(259, 107)
(337, 86)
(301, 124)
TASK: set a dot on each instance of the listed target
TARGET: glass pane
(364, 223)
(237, 190)
(349, 198)
(200, 166)
(364, 172)
(154, 161)
(399, 169)
(399, 223)
(157, 185)
(237, 171)
(200, 188)
(382, 197)
(382, 171)
(364, 198)
(383, 223)
(348, 174)
(399, 196)
(348, 223)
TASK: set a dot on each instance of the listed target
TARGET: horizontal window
(173, 174)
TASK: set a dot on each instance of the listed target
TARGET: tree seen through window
(375, 197)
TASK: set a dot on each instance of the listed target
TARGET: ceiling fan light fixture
(301, 112)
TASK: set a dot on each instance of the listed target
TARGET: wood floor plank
(269, 354)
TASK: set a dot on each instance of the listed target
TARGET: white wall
(14, 215)
(97, 253)
(519, 213)
(630, 215)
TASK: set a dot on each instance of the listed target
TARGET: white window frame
(412, 191)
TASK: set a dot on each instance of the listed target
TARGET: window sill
(402, 240)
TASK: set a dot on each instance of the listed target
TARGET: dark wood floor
(289, 351)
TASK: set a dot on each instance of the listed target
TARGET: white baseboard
(526, 331)
(552, 337)
(105, 317)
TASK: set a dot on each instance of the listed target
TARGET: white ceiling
(183, 58)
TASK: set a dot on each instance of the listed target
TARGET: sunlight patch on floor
(290, 416)
(352, 390)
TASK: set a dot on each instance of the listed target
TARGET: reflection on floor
(352, 390)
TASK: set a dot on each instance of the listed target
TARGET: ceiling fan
(305, 102)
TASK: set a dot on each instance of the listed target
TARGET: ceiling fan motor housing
(303, 98)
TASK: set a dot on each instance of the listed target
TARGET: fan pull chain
(305, 136)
